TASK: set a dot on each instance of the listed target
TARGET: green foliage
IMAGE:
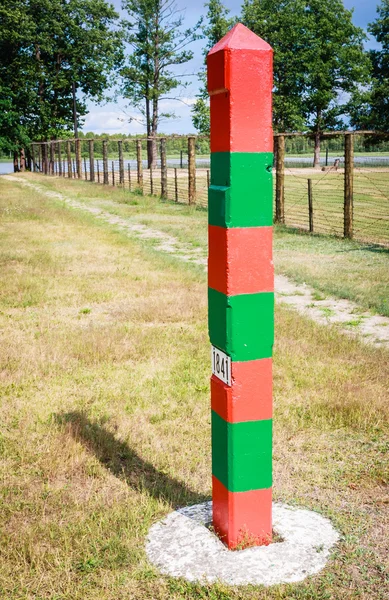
(217, 25)
(154, 32)
(370, 107)
(318, 54)
(45, 46)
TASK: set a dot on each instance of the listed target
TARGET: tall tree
(158, 42)
(318, 61)
(370, 105)
(55, 44)
(335, 64)
(217, 24)
(282, 24)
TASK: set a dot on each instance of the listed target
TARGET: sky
(114, 117)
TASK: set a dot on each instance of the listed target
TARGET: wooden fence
(347, 196)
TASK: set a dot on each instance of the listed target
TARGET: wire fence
(346, 194)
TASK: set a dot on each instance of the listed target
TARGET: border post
(241, 286)
(348, 185)
(280, 178)
(191, 170)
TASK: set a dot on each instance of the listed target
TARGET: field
(104, 369)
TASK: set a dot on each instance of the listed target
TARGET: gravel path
(348, 316)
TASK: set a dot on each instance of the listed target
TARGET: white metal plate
(221, 365)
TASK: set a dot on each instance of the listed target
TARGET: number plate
(221, 365)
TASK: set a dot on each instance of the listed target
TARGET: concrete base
(181, 545)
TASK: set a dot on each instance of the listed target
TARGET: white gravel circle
(181, 545)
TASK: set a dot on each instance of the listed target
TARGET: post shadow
(124, 462)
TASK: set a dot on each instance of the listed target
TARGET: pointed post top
(241, 38)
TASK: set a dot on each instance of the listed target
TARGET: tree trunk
(154, 129)
(22, 160)
(16, 161)
(316, 157)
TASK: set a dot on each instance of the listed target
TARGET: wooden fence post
(163, 169)
(139, 164)
(241, 286)
(191, 170)
(33, 158)
(113, 173)
(310, 205)
(85, 170)
(98, 172)
(52, 156)
(121, 163)
(175, 185)
(59, 159)
(46, 159)
(105, 162)
(78, 158)
(69, 158)
(348, 185)
(129, 176)
(280, 177)
(181, 156)
(91, 160)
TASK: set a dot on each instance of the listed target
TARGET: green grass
(342, 268)
(105, 419)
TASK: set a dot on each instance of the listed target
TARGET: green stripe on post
(243, 325)
(241, 191)
(242, 454)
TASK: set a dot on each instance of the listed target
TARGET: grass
(104, 373)
(342, 268)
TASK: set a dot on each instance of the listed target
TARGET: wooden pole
(181, 156)
(310, 205)
(280, 177)
(151, 179)
(113, 173)
(175, 185)
(191, 170)
(33, 158)
(91, 160)
(163, 169)
(69, 159)
(121, 163)
(51, 166)
(105, 162)
(98, 172)
(348, 185)
(139, 164)
(241, 286)
(129, 177)
(78, 158)
(59, 159)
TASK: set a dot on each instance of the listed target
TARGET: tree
(318, 56)
(54, 44)
(158, 43)
(281, 23)
(335, 64)
(370, 105)
(218, 24)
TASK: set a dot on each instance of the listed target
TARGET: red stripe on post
(241, 518)
(240, 260)
(249, 398)
(241, 107)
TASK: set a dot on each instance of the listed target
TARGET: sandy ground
(345, 314)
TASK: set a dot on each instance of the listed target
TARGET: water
(6, 167)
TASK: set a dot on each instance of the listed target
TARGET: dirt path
(345, 314)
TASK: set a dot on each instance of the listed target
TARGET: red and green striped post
(241, 286)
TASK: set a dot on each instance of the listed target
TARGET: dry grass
(105, 417)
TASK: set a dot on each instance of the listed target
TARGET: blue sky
(113, 117)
